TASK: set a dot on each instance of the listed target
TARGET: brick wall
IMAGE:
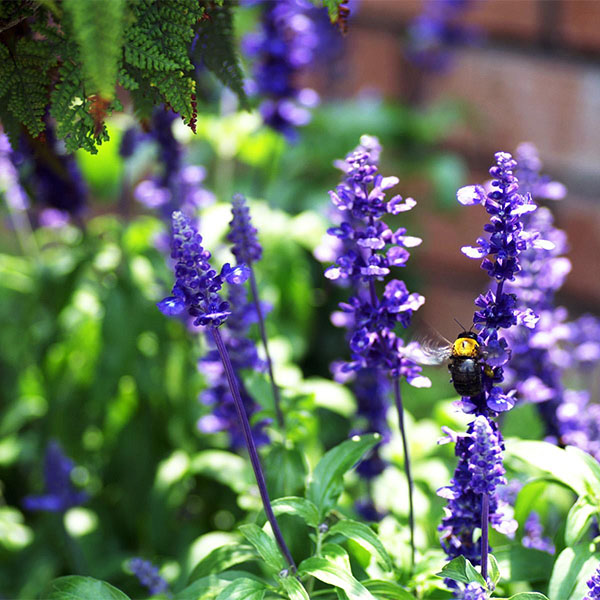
(535, 77)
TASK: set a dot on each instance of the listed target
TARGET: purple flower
(473, 591)
(433, 34)
(244, 356)
(148, 576)
(246, 247)
(508, 239)
(531, 181)
(534, 535)
(60, 494)
(286, 44)
(594, 586)
(197, 284)
(479, 471)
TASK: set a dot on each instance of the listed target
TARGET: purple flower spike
(368, 251)
(246, 247)
(197, 285)
(60, 494)
(485, 460)
(534, 535)
(594, 586)
(473, 591)
(148, 576)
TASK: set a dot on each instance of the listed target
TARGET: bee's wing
(428, 350)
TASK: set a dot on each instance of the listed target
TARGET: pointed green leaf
(564, 468)
(206, 588)
(243, 589)
(528, 596)
(323, 570)
(387, 590)
(264, 544)
(363, 535)
(524, 564)
(336, 555)
(494, 569)
(76, 587)
(222, 558)
(293, 588)
(579, 519)
(301, 507)
(326, 483)
(567, 571)
(460, 569)
(592, 464)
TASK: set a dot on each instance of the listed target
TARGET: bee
(465, 358)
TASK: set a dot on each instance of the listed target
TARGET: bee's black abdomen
(466, 375)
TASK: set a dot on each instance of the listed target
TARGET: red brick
(513, 18)
(554, 104)
(580, 24)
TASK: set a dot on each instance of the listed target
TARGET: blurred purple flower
(60, 494)
(246, 247)
(440, 28)
(243, 355)
(287, 43)
(534, 535)
(148, 576)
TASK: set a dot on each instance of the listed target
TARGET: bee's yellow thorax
(465, 347)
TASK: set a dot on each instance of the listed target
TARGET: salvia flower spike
(473, 490)
(148, 576)
(247, 249)
(369, 250)
(594, 586)
(196, 290)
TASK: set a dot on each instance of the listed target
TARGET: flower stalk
(254, 459)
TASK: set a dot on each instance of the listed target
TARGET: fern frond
(98, 30)
(72, 110)
(215, 48)
(24, 81)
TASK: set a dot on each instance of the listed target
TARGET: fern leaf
(98, 30)
(24, 82)
(72, 111)
(215, 47)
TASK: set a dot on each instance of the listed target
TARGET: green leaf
(76, 587)
(327, 480)
(387, 590)
(494, 569)
(222, 558)
(206, 588)
(528, 596)
(567, 571)
(264, 544)
(592, 464)
(524, 564)
(216, 49)
(323, 570)
(578, 520)
(225, 467)
(243, 589)
(363, 535)
(301, 507)
(293, 588)
(460, 569)
(564, 468)
(336, 555)
(98, 29)
(285, 470)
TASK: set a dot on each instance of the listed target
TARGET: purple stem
(263, 335)
(258, 473)
(411, 512)
(485, 547)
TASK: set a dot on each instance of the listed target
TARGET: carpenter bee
(465, 358)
